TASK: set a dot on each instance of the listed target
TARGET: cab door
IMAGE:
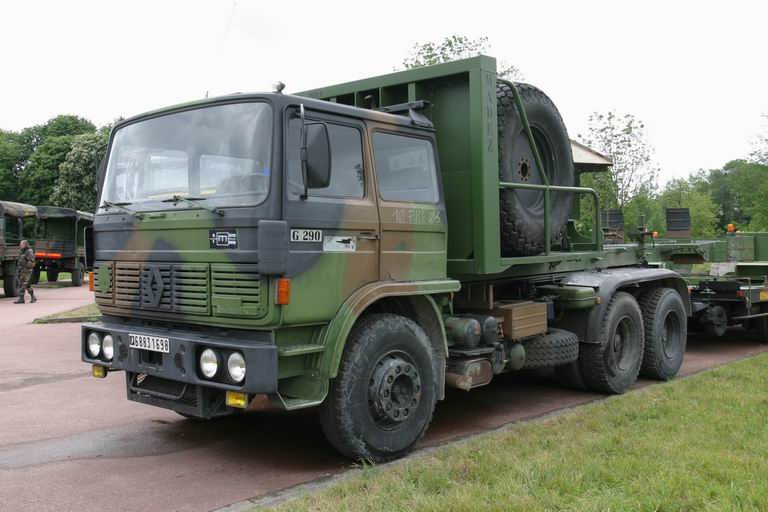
(334, 231)
(411, 208)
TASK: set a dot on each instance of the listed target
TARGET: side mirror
(315, 154)
(318, 156)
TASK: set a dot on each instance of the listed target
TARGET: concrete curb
(64, 320)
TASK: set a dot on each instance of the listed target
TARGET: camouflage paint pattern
(400, 250)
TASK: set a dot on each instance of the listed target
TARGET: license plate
(306, 235)
(153, 343)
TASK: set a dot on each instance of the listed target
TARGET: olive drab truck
(361, 247)
(17, 222)
(60, 243)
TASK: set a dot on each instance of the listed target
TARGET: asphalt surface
(72, 442)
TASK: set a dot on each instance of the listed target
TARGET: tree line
(52, 164)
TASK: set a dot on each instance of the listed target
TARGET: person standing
(24, 266)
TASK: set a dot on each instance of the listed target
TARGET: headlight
(94, 344)
(108, 347)
(209, 363)
(236, 366)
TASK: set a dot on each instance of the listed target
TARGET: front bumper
(180, 364)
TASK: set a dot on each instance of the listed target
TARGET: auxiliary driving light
(108, 347)
(209, 363)
(94, 344)
(236, 366)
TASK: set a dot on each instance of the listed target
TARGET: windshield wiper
(106, 205)
(194, 201)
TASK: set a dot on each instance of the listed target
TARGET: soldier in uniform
(24, 266)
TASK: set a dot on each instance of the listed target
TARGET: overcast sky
(695, 72)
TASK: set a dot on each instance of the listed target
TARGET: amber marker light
(91, 286)
(283, 296)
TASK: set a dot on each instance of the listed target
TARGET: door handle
(368, 235)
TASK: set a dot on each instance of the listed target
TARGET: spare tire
(522, 211)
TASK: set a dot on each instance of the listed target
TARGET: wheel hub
(394, 389)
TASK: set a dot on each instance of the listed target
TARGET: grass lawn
(91, 312)
(699, 443)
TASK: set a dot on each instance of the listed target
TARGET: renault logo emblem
(154, 287)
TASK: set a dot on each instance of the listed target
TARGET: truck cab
(243, 225)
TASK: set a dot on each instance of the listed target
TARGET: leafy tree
(455, 47)
(41, 171)
(65, 124)
(623, 139)
(76, 183)
(10, 155)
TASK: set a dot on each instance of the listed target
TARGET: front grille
(103, 273)
(170, 287)
(237, 290)
(178, 392)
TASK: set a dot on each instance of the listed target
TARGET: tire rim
(524, 167)
(671, 334)
(620, 350)
(394, 390)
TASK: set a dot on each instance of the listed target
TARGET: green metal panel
(462, 95)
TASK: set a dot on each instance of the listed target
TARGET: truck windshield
(220, 154)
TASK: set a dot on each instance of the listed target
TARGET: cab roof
(279, 101)
(17, 210)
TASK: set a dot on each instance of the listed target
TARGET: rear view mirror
(318, 156)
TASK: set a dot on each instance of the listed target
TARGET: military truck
(60, 243)
(361, 247)
(17, 222)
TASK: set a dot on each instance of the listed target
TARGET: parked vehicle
(362, 246)
(60, 243)
(17, 221)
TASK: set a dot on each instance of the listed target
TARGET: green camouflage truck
(361, 247)
(17, 222)
(60, 243)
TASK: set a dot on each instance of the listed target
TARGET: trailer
(17, 222)
(360, 247)
(60, 243)
(735, 292)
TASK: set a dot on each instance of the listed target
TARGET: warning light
(655, 234)
(283, 295)
(731, 228)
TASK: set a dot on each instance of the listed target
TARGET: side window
(405, 167)
(347, 174)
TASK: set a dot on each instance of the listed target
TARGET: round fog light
(108, 347)
(236, 366)
(209, 363)
(94, 344)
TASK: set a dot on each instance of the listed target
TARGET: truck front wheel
(382, 400)
(78, 273)
(613, 365)
(666, 330)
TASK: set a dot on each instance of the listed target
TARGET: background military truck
(17, 222)
(315, 249)
(60, 243)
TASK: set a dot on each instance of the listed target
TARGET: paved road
(71, 442)
(49, 301)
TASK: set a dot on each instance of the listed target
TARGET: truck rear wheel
(35, 277)
(53, 274)
(613, 365)
(522, 211)
(666, 329)
(10, 282)
(382, 400)
(77, 274)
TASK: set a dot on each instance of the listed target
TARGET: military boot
(32, 298)
(20, 300)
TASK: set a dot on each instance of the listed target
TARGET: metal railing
(546, 187)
